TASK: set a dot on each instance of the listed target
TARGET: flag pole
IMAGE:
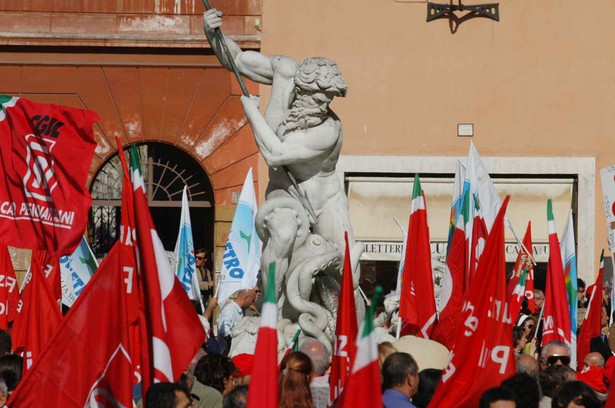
(367, 301)
(398, 330)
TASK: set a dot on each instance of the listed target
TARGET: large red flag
(9, 294)
(39, 316)
(346, 329)
(46, 152)
(171, 332)
(592, 323)
(263, 390)
(86, 362)
(453, 290)
(417, 306)
(556, 316)
(483, 354)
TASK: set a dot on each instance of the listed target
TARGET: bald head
(317, 352)
(594, 359)
(245, 298)
(527, 364)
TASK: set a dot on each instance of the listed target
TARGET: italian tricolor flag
(363, 386)
(263, 390)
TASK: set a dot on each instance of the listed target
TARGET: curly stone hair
(319, 74)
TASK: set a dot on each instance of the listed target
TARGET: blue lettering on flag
(231, 262)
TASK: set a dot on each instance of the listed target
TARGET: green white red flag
(346, 330)
(263, 389)
(363, 385)
(417, 305)
(592, 323)
(528, 290)
(483, 354)
(86, 362)
(171, 332)
(556, 315)
(45, 157)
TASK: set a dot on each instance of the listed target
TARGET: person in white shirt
(232, 312)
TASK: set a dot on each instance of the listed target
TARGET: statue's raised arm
(251, 64)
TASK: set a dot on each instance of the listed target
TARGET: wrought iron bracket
(436, 11)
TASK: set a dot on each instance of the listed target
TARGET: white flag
(242, 255)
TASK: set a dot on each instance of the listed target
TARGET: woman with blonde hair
(295, 376)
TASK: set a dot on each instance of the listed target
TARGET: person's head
(539, 298)
(605, 316)
(6, 344)
(295, 375)
(554, 353)
(201, 256)
(519, 339)
(498, 397)
(594, 359)
(318, 353)
(575, 394)
(10, 370)
(528, 324)
(245, 298)
(428, 381)
(216, 371)
(238, 398)
(385, 349)
(528, 365)
(401, 372)
(580, 289)
(167, 395)
(552, 377)
(525, 387)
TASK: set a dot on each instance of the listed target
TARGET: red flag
(51, 269)
(39, 316)
(128, 238)
(529, 283)
(86, 362)
(453, 291)
(171, 332)
(363, 386)
(263, 389)
(556, 317)
(417, 306)
(592, 323)
(346, 329)
(483, 354)
(9, 295)
(46, 152)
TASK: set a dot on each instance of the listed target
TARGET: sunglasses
(553, 359)
(200, 258)
(530, 326)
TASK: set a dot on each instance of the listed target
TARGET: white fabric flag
(242, 255)
(76, 270)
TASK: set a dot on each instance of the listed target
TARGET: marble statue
(298, 134)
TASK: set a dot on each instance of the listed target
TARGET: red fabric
(483, 355)
(87, 359)
(9, 292)
(128, 238)
(171, 332)
(244, 363)
(556, 317)
(263, 388)
(417, 305)
(592, 323)
(46, 152)
(346, 330)
(38, 318)
(450, 316)
(479, 236)
(51, 269)
(363, 388)
(594, 377)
